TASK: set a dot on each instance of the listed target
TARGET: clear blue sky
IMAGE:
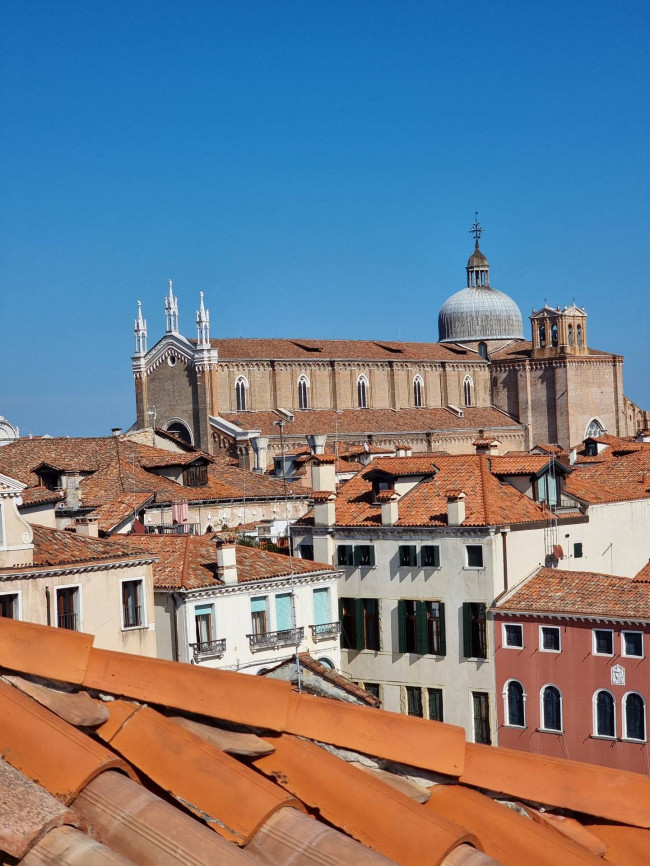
(314, 167)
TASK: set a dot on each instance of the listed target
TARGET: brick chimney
(227, 559)
(323, 473)
(87, 526)
(455, 507)
(389, 507)
(486, 446)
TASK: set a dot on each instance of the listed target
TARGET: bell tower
(559, 332)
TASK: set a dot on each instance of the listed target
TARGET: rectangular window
(372, 689)
(359, 623)
(603, 642)
(283, 612)
(203, 620)
(9, 605)
(345, 554)
(435, 705)
(633, 643)
(307, 551)
(481, 717)
(474, 555)
(421, 627)
(195, 476)
(474, 630)
(430, 556)
(371, 622)
(321, 606)
(414, 701)
(577, 550)
(259, 614)
(132, 604)
(67, 608)
(513, 636)
(435, 613)
(364, 555)
(408, 555)
(549, 638)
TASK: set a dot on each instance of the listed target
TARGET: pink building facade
(574, 686)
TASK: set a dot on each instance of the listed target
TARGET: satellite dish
(558, 553)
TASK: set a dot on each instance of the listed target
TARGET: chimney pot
(116, 431)
(87, 526)
(227, 559)
(455, 508)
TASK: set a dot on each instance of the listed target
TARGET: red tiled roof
(521, 350)
(316, 350)
(529, 464)
(359, 421)
(580, 593)
(40, 495)
(488, 501)
(190, 561)
(611, 478)
(117, 510)
(644, 574)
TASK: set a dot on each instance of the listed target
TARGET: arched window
(604, 714)
(303, 395)
(482, 350)
(362, 392)
(554, 338)
(515, 704)
(594, 429)
(542, 335)
(551, 701)
(417, 391)
(179, 428)
(570, 330)
(634, 716)
(327, 662)
(579, 334)
(241, 388)
(467, 390)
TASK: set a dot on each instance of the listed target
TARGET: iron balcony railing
(173, 529)
(325, 630)
(67, 620)
(208, 649)
(272, 639)
(133, 615)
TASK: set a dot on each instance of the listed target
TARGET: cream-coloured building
(73, 580)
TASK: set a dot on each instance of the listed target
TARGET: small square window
(345, 554)
(549, 638)
(430, 556)
(633, 643)
(414, 705)
(133, 604)
(577, 550)
(474, 554)
(513, 636)
(603, 642)
(10, 605)
(407, 555)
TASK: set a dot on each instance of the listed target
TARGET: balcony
(67, 620)
(173, 529)
(274, 639)
(325, 631)
(208, 649)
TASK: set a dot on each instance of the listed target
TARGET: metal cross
(477, 228)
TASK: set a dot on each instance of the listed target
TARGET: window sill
(550, 731)
(476, 659)
(473, 568)
(632, 740)
(514, 727)
(143, 627)
(555, 652)
(604, 737)
(603, 655)
(639, 658)
(505, 646)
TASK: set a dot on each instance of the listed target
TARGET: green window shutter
(422, 628)
(443, 633)
(401, 625)
(283, 612)
(371, 554)
(436, 556)
(359, 624)
(467, 629)
(321, 599)
(357, 555)
(342, 634)
(413, 555)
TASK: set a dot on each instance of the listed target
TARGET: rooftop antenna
(476, 229)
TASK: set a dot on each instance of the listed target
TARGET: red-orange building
(572, 668)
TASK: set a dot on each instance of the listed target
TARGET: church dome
(479, 312)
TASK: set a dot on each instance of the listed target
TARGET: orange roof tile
(626, 846)
(644, 574)
(582, 593)
(116, 511)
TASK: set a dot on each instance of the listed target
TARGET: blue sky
(314, 168)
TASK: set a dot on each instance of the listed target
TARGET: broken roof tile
(76, 708)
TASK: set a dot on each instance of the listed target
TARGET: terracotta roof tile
(585, 593)
(326, 673)
(117, 511)
(40, 496)
(519, 465)
(644, 574)
(626, 846)
(611, 478)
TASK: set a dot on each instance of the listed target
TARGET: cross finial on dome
(476, 229)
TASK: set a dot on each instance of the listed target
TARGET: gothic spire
(203, 325)
(140, 331)
(171, 311)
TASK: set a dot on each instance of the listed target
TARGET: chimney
(455, 507)
(260, 447)
(317, 443)
(486, 446)
(323, 473)
(72, 486)
(403, 451)
(116, 431)
(227, 559)
(573, 455)
(324, 503)
(87, 526)
(243, 455)
(389, 507)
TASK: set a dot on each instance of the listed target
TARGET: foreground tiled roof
(611, 478)
(580, 593)
(488, 501)
(144, 761)
(118, 510)
(190, 561)
(358, 421)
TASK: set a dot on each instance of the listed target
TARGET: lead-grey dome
(479, 312)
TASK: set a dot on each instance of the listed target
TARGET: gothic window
(467, 390)
(579, 334)
(570, 330)
(241, 387)
(554, 337)
(482, 350)
(417, 391)
(551, 709)
(604, 716)
(515, 704)
(303, 396)
(362, 392)
(542, 335)
(594, 429)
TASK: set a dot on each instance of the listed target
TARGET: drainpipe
(175, 626)
(47, 605)
(504, 544)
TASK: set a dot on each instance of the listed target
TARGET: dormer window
(379, 486)
(195, 476)
(49, 478)
(547, 489)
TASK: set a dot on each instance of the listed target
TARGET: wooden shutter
(442, 630)
(357, 555)
(371, 554)
(421, 628)
(283, 613)
(342, 634)
(467, 629)
(321, 606)
(359, 624)
(401, 625)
